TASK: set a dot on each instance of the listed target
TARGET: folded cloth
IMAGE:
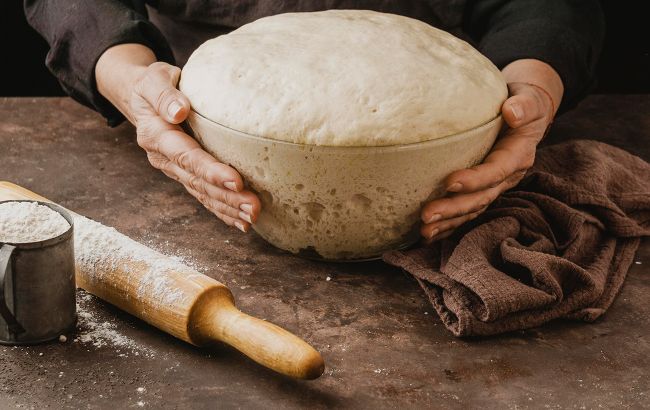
(558, 245)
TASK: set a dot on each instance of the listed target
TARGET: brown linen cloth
(558, 245)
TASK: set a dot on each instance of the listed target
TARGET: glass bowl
(342, 203)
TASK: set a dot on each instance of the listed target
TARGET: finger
(213, 205)
(243, 205)
(158, 88)
(512, 154)
(458, 205)
(524, 106)
(433, 230)
(438, 237)
(227, 218)
(186, 152)
(242, 226)
(443, 235)
(434, 227)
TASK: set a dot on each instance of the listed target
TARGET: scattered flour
(100, 332)
(23, 222)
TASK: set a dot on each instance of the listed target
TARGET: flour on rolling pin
(100, 249)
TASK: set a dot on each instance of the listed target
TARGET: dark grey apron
(186, 24)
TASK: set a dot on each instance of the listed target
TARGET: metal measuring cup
(37, 287)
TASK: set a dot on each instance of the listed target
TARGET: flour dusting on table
(100, 330)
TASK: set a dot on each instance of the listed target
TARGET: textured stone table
(382, 344)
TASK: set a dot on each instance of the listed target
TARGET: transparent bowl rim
(414, 145)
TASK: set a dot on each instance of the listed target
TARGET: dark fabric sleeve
(79, 31)
(566, 34)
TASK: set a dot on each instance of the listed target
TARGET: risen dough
(343, 78)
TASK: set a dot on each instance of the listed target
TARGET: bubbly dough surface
(343, 78)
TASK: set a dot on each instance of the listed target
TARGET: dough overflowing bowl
(338, 202)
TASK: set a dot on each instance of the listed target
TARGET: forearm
(539, 74)
(80, 31)
(118, 70)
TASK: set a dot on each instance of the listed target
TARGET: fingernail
(240, 226)
(434, 217)
(455, 187)
(246, 217)
(516, 111)
(248, 208)
(434, 233)
(174, 108)
(230, 185)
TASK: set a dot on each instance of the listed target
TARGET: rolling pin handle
(267, 344)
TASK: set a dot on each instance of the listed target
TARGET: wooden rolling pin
(176, 298)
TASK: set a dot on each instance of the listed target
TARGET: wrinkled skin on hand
(528, 112)
(157, 108)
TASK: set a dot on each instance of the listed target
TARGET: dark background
(624, 66)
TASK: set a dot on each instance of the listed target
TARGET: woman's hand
(535, 93)
(145, 91)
